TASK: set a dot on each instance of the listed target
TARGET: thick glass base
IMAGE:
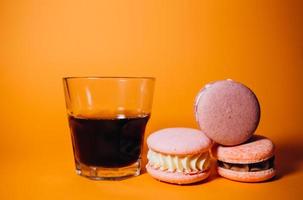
(103, 173)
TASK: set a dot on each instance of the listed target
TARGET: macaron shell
(256, 149)
(228, 112)
(249, 177)
(179, 141)
(176, 177)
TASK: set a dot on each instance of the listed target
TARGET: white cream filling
(172, 163)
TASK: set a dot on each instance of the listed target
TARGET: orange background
(184, 44)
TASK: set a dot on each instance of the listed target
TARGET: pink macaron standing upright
(227, 111)
(252, 161)
(178, 155)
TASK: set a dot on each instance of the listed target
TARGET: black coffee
(107, 142)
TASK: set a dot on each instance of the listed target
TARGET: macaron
(227, 111)
(252, 161)
(178, 155)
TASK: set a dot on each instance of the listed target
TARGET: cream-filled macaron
(178, 155)
(252, 161)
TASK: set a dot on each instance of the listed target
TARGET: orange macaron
(178, 155)
(252, 161)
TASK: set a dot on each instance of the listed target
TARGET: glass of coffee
(107, 118)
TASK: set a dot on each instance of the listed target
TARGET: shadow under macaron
(289, 157)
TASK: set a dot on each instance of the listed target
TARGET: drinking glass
(107, 118)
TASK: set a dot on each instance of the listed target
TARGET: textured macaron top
(228, 112)
(179, 141)
(256, 149)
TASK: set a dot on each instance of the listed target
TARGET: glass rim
(109, 77)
